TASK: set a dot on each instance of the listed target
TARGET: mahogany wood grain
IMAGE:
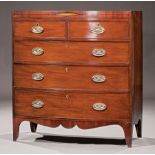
(122, 66)
(81, 15)
(138, 72)
(71, 105)
(71, 77)
(128, 132)
(70, 123)
(75, 53)
(113, 30)
(52, 30)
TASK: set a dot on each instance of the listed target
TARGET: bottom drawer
(72, 105)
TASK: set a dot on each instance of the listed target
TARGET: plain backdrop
(148, 9)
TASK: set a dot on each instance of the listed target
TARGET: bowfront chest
(79, 68)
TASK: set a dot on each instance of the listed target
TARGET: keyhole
(66, 69)
(67, 97)
(67, 46)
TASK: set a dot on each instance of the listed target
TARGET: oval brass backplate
(98, 52)
(37, 29)
(98, 78)
(98, 29)
(99, 106)
(37, 104)
(37, 51)
(37, 76)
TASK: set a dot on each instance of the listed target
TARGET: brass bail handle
(99, 106)
(98, 78)
(98, 29)
(98, 52)
(37, 51)
(37, 104)
(37, 76)
(37, 29)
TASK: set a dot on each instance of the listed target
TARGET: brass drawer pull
(98, 78)
(37, 29)
(98, 29)
(98, 52)
(37, 104)
(37, 51)
(37, 76)
(99, 106)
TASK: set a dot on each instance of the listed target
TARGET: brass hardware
(37, 104)
(37, 51)
(37, 76)
(98, 52)
(98, 29)
(99, 106)
(67, 96)
(37, 29)
(66, 69)
(98, 78)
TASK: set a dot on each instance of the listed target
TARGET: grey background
(148, 9)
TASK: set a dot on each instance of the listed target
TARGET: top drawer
(39, 30)
(108, 30)
(89, 25)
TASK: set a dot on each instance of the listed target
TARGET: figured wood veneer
(75, 106)
(51, 30)
(113, 30)
(75, 77)
(72, 52)
(67, 89)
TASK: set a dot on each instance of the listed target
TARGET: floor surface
(108, 139)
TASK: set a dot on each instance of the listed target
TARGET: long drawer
(72, 105)
(71, 77)
(94, 53)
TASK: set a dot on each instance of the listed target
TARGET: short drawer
(72, 105)
(71, 77)
(39, 30)
(94, 53)
(110, 30)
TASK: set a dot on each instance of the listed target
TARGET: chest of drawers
(79, 68)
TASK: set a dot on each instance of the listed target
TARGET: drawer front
(39, 30)
(96, 78)
(72, 105)
(71, 53)
(99, 30)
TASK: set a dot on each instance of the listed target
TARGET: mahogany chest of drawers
(79, 68)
